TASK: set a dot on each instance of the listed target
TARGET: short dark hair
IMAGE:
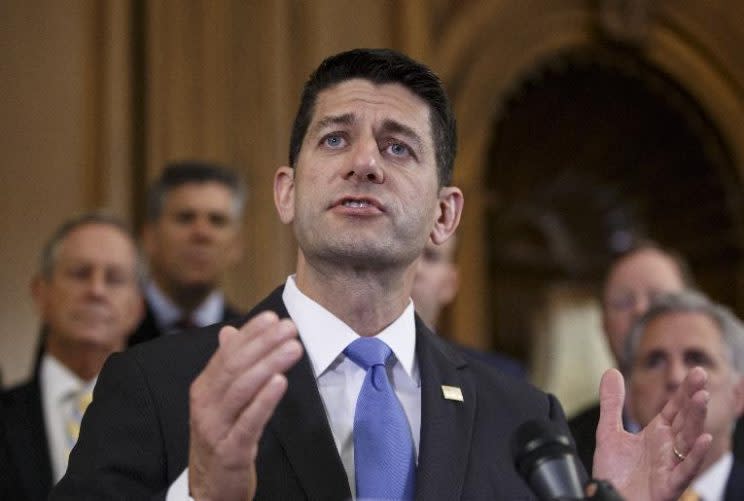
(189, 172)
(641, 245)
(48, 258)
(382, 66)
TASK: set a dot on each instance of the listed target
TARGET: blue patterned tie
(384, 461)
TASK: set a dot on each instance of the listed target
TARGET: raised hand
(232, 400)
(658, 463)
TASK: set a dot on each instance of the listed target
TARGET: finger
(249, 426)
(234, 359)
(245, 388)
(694, 381)
(689, 423)
(611, 399)
(686, 470)
(251, 328)
(207, 393)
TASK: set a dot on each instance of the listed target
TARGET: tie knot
(367, 352)
(80, 399)
(184, 323)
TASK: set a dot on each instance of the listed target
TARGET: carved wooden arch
(493, 45)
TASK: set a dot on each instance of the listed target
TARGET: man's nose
(366, 163)
(97, 283)
(202, 228)
(676, 372)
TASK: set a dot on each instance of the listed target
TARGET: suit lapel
(446, 425)
(300, 424)
(27, 441)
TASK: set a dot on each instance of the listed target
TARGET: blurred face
(672, 344)
(365, 191)
(92, 298)
(435, 284)
(196, 237)
(630, 287)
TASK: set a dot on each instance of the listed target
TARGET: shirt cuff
(179, 490)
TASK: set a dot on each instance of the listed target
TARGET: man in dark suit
(257, 413)
(680, 331)
(435, 286)
(88, 295)
(633, 279)
(191, 237)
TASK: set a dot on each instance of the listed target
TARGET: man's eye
(398, 149)
(185, 217)
(653, 361)
(334, 141)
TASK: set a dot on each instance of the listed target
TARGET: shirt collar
(711, 484)
(325, 336)
(59, 382)
(167, 313)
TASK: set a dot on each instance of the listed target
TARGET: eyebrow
(398, 128)
(327, 121)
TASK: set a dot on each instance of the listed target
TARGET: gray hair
(181, 173)
(690, 301)
(48, 258)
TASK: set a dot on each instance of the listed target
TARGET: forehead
(681, 330)
(98, 242)
(199, 194)
(368, 101)
(649, 269)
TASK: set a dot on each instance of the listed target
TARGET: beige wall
(43, 54)
(221, 81)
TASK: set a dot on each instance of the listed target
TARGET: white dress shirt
(58, 384)
(167, 313)
(339, 379)
(711, 484)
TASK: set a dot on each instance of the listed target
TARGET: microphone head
(544, 457)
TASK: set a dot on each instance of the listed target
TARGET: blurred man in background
(633, 279)
(679, 332)
(435, 286)
(191, 237)
(87, 293)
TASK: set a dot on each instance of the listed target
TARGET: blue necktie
(384, 461)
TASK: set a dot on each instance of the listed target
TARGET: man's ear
(449, 211)
(284, 194)
(739, 396)
(38, 288)
(148, 237)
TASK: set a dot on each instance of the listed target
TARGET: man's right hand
(232, 400)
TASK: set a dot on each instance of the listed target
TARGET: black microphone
(544, 457)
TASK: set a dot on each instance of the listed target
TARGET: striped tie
(80, 401)
(690, 495)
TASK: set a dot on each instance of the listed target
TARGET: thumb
(611, 400)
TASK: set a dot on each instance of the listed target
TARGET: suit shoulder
(19, 393)
(589, 416)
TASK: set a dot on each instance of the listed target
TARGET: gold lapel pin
(452, 393)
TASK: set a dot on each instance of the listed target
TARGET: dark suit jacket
(134, 440)
(29, 472)
(505, 364)
(735, 484)
(148, 329)
(584, 427)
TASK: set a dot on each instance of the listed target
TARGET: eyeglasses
(630, 300)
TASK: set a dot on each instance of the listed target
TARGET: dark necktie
(384, 460)
(184, 323)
